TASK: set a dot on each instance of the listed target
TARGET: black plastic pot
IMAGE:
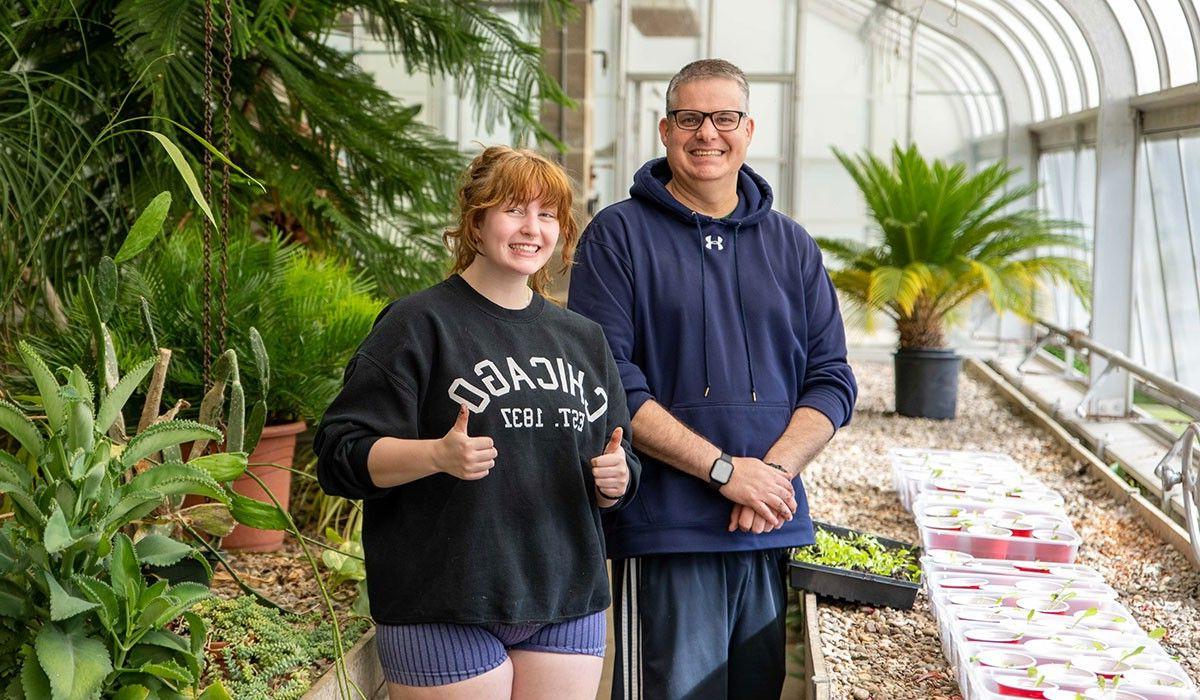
(927, 383)
(855, 586)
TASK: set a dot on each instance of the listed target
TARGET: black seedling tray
(854, 586)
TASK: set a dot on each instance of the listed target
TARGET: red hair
(502, 175)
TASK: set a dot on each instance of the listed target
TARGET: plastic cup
(1019, 687)
(1000, 658)
(987, 541)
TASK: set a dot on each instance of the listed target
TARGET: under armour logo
(717, 242)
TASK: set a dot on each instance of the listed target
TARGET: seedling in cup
(993, 635)
(1107, 690)
(1020, 527)
(1155, 679)
(1106, 670)
(963, 583)
(1049, 605)
(1011, 660)
(1023, 686)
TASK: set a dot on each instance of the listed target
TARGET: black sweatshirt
(523, 544)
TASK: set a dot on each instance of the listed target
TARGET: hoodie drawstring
(737, 276)
(703, 300)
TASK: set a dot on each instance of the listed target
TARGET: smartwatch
(721, 471)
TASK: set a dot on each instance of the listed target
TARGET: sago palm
(948, 236)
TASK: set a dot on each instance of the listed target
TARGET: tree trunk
(922, 328)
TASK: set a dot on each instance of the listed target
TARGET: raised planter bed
(362, 667)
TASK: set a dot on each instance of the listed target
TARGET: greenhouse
(572, 349)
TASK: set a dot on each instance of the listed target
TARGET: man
(732, 353)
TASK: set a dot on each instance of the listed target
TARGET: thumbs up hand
(458, 454)
(610, 471)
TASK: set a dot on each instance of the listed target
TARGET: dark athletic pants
(700, 626)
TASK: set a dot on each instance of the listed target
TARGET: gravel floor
(886, 654)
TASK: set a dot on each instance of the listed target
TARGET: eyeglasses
(692, 120)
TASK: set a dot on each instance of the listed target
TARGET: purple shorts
(437, 654)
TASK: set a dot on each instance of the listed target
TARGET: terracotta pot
(277, 446)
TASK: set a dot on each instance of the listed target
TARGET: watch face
(721, 471)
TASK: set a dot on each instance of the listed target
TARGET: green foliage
(348, 166)
(78, 618)
(348, 563)
(860, 552)
(262, 654)
(311, 312)
(946, 237)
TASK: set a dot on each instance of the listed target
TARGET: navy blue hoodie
(731, 325)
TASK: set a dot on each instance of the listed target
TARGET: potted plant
(947, 237)
(311, 312)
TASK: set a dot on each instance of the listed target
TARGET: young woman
(485, 429)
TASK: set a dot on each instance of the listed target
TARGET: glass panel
(1150, 303)
(768, 106)
(1189, 147)
(1043, 63)
(960, 72)
(763, 45)
(606, 122)
(1059, 49)
(1032, 79)
(665, 36)
(1177, 39)
(1079, 45)
(1137, 35)
(958, 69)
(940, 138)
(1068, 180)
(1170, 209)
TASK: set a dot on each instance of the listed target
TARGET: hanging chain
(227, 127)
(206, 227)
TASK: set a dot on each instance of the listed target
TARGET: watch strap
(713, 483)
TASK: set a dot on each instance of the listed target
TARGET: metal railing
(1187, 475)
(1113, 360)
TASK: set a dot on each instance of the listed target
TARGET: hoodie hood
(754, 194)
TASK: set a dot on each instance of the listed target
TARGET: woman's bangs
(525, 179)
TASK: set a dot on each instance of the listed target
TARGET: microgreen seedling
(1086, 613)
(860, 552)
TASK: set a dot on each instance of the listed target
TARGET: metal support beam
(1116, 158)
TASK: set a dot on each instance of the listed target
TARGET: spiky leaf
(159, 550)
(162, 435)
(14, 422)
(114, 401)
(75, 663)
(63, 605)
(47, 385)
(221, 466)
